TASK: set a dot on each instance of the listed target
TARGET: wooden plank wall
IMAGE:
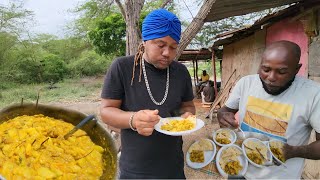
(312, 167)
(314, 54)
(314, 60)
(243, 55)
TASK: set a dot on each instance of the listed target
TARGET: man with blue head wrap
(135, 106)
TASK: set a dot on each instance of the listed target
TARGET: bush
(26, 70)
(4, 85)
(89, 64)
(53, 69)
(50, 68)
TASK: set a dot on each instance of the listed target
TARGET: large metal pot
(94, 129)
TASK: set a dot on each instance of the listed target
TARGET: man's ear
(298, 68)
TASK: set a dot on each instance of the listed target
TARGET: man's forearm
(311, 151)
(115, 117)
(225, 109)
(190, 109)
(187, 107)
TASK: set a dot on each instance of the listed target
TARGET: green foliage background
(45, 58)
(97, 37)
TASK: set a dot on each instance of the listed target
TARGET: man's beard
(285, 87)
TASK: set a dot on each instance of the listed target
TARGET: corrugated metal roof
(189, 55)
(227, 8)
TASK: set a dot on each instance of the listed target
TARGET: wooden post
(194, 73)
(214, 74)
(197, 70)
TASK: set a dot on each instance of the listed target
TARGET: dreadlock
(138, 59)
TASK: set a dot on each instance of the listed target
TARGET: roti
(228, 155)
(253, 147)
(224, 133)
(201, 145)
(192, 118)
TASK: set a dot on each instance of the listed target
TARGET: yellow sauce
(33, 147)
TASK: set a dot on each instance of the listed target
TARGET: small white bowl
(232, 133)
(242, 159)
(208, 157)
(269, 147)
(269, 156)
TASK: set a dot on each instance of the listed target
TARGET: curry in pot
(33, 147)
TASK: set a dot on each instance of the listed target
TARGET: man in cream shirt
(279, 104)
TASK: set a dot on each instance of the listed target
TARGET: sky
(52, 16)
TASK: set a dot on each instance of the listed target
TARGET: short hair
(293, 47)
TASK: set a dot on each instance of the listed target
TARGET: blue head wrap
(160, 23)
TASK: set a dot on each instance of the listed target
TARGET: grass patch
(204, 66)
(71, 90)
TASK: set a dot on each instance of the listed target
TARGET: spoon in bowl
(242, 133)
(78, 126)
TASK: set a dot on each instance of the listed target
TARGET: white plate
(232, 133)
(208, 157)
(243, 161)
(269, 156)
(275, 157)
(157, 127)
(257, 135)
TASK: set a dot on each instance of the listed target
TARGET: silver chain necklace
(148, 87)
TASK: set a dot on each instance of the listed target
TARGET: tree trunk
(133, 38)
(194, 26)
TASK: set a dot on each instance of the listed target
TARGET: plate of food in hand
(256, 152)
(276, 148)
(178, 126)
(224, 136)
(231, 161)
(200, 153)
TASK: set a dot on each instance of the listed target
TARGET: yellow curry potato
(33, 147)
(175, 125)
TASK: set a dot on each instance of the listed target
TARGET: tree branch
(165, 3)
(194, 26)
(123, 12)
